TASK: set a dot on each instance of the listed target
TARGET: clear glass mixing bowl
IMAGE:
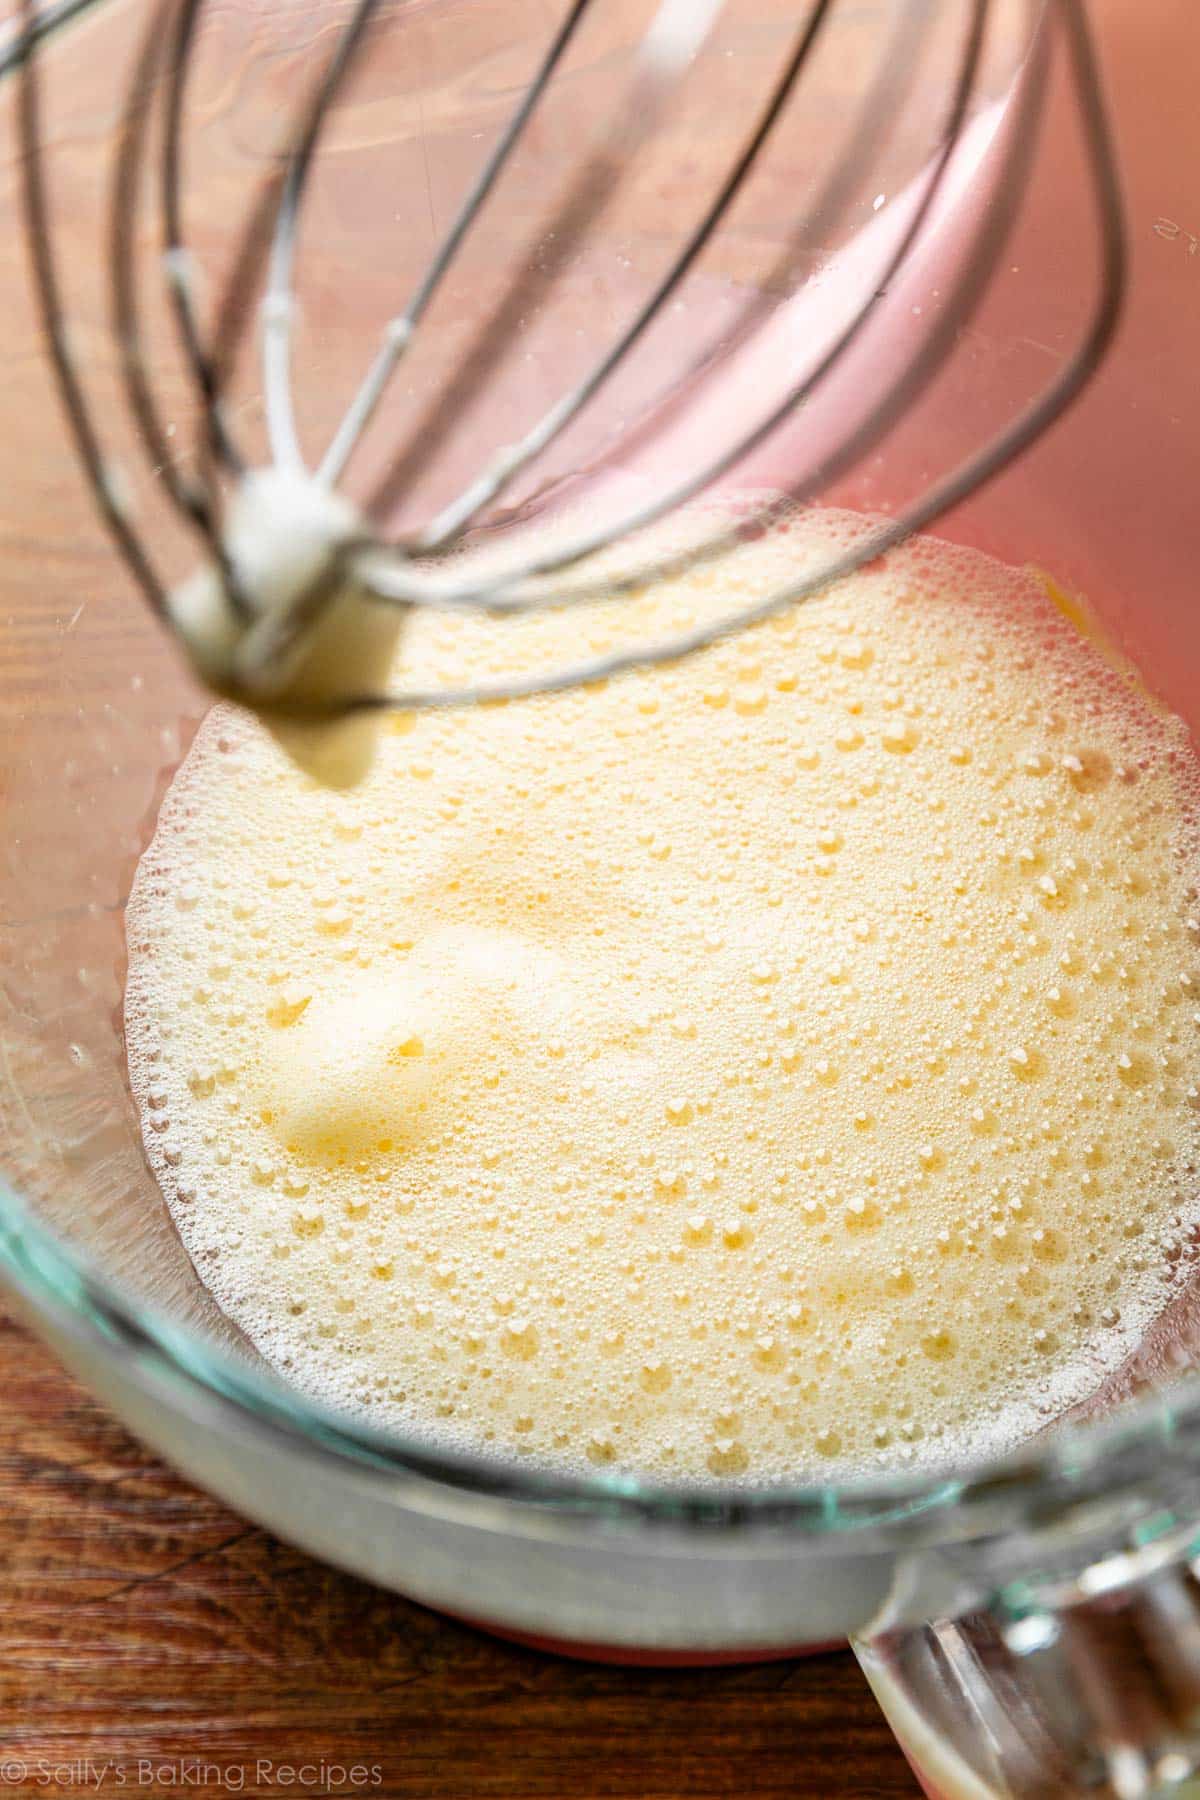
(1064, 1650)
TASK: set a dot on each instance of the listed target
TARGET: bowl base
(631, 1657)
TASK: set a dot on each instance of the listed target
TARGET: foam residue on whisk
(289, 541)
(780, 1064)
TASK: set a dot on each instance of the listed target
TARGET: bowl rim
(1070, 1463)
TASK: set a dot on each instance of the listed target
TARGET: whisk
(301, 591)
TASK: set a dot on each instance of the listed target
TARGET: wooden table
(143, 1623)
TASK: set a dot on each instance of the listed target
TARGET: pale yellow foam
(779, 1063)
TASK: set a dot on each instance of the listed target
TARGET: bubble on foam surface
(775, 1065)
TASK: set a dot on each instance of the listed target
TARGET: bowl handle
(1056, 1686)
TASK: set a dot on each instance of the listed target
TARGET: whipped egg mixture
(781, 1063)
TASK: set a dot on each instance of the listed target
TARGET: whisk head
(303, 586)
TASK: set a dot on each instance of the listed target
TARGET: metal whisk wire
(413, 571)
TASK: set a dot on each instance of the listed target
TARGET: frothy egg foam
(777, 1065)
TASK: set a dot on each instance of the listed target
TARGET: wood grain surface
(145, 1627)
